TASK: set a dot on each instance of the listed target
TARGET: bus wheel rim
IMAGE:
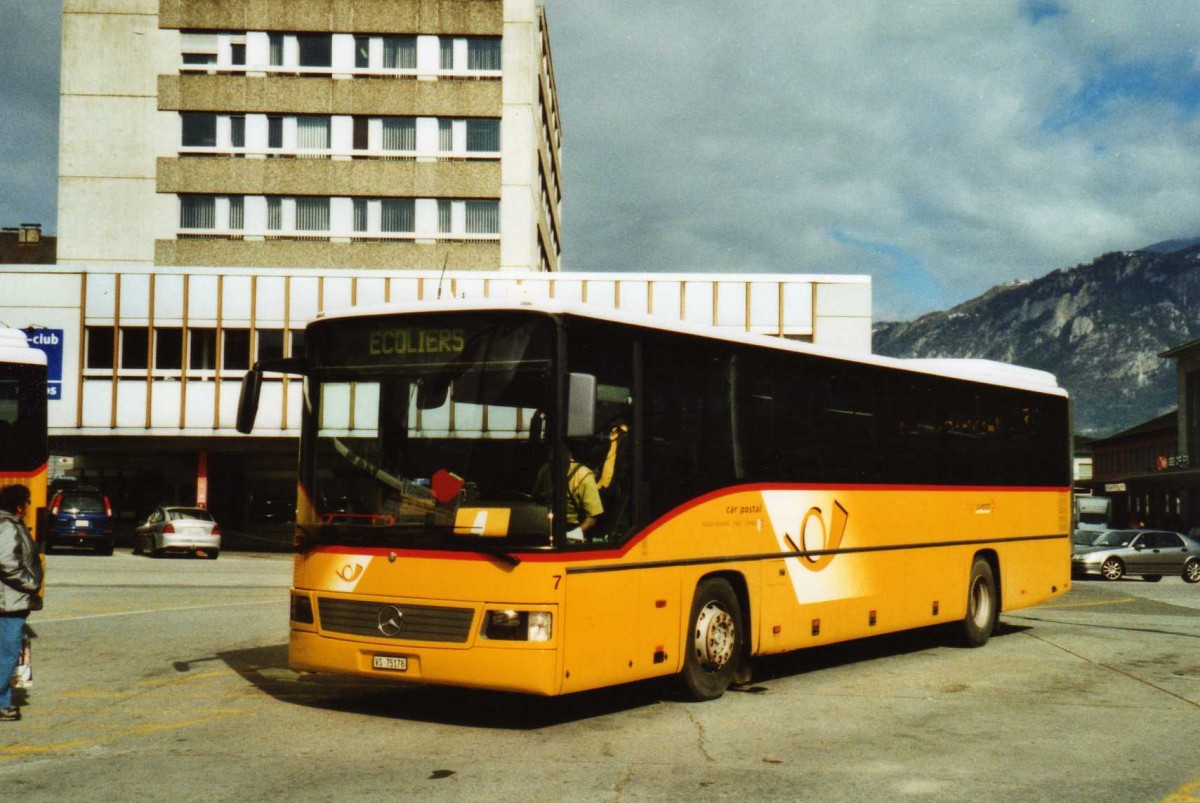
(980, 603)
(715, 637)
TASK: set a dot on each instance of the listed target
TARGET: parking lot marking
(41, 621)
(1117, 601)
(24, 750)
(1188, 793)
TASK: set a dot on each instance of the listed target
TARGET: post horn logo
(817, 543)
(350, 572)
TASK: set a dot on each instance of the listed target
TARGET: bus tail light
(518, 625)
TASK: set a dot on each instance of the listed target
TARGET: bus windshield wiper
(485, 548)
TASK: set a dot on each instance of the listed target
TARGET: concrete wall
(111, 131)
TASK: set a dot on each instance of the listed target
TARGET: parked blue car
(80, 517)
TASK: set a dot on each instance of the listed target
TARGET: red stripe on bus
(24, 474)
(614, 554)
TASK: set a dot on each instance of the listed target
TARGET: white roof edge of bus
(987, 371)
(15, 349)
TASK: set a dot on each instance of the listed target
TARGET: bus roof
(15, 349)
(975, 370)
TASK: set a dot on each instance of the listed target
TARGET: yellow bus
(24, 447)
(759, 496)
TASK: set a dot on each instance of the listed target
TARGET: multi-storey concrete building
(393, 134)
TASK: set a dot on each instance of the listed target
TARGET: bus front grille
(400, 622)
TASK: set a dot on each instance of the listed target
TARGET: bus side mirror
(248, 401)
(581, 406)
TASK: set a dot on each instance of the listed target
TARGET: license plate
(81, 524)
(389, 662)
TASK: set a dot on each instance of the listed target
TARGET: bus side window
(606, 352)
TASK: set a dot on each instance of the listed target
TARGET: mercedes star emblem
(389, 620)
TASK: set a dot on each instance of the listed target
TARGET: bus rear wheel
(982, 605)
(714, 640)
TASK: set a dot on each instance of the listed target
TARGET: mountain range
(1098, 327)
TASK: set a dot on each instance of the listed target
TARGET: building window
(397, 215)
(446, 49)
(445, 216)
(312, 214)
(316, 50)
(198, 48)
(296, 338)
(360, 214)
(399, 134)
(202, 349)
(135, 347)
(211, 212)
(168, 349)
(236, 352)
(274, 132)
(100, 340)
(237, 54)
(270, 344)
(483, 135)
(483, 217)
(399, 52)
(276, 44)
(237, 212)
(197, 212)
(483, 53)
(446, 136)
(312, 133)
(274, 213)
(199, 130)
(362, 52)
(362, 133)
(237, 131)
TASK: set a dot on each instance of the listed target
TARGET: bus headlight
(518, 625)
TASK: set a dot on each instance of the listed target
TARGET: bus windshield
(428, 431)
(22, 417)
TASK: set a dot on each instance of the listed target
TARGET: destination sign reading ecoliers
(416, 341)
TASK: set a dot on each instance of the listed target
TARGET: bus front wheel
(982, 605)
(714, 640)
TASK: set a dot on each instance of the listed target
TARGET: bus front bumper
(523, 668)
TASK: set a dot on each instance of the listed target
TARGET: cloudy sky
(943, 147)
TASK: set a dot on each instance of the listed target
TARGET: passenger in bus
(20, 582)
(584, 507)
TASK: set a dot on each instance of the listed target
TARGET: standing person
(20, 584)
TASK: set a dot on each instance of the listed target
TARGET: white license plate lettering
(392, 662)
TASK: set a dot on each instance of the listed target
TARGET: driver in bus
(584, 507)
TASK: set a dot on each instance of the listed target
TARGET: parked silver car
(178, 529)
(1148, 553)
